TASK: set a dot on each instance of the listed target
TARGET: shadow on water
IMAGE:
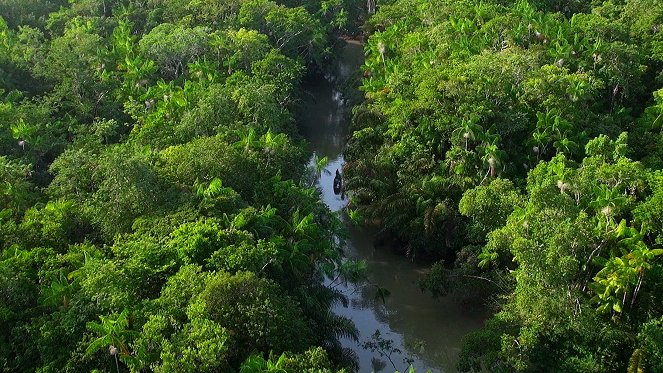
(428, 330)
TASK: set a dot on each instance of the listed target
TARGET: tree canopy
(519, 145)
(155, 212)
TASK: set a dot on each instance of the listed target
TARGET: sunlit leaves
(178, 163)
(292, 30)
(173, 47)
(490, 205)
(256, 312)
(111, 332)
(312, 360)
(620, 279)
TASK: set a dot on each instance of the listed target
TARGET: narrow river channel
(427, 330)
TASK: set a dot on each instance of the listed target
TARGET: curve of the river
(427, 330)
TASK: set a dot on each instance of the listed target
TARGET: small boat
(338, 183)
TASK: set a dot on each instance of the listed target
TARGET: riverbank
(428, 331)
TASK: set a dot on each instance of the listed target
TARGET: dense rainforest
(519, 144)
(157, 213)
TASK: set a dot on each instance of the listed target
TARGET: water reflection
(425, 329)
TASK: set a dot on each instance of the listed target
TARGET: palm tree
(204, 70)
(319, 166)
(493, 158)
(59, 292)
(113, 334)
(430, 203)
(565, 145)
(377, 47)
(468, 130)
(370, 6)
(257, 364)
(607, 202)
(301, 224)
(23, 132)
(636, 363)
(271, 142)
(622, 276)
(540, 140)
(247, 140)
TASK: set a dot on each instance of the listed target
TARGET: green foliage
(200, 346)
(112, 333)
(311, 361)
(260, 317)
(55, 225)
(650, 340)
(475, 90)
(76, 64)
(490, 205)
(560, 240)
(174, 47)
(24, 13)
(228, 249)
(292, 30)
(518, 145)
(207, 158)
(127, 188)
(648, 213)
(153, 194)
(244, 47)
(17, 193)
(621, 277)
(150, 183)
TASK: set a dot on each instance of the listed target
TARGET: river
(427, 330)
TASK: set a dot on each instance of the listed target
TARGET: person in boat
(338, 183)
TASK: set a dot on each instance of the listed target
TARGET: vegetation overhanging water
(414, 328)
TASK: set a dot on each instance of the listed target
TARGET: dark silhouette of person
(338, 183)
